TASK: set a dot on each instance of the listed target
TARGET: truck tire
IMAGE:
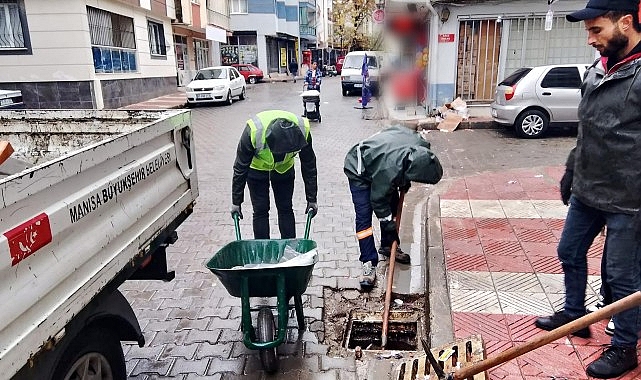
(94, 354)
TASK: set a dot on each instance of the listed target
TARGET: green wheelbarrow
(249, 268)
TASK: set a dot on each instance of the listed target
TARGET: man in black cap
(266, 151)
(602, 182)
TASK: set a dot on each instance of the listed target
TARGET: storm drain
(364, 330)
(462, 353)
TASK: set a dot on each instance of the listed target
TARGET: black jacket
(607, 157)
(390, 160)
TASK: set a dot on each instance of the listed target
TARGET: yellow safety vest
(263, 157)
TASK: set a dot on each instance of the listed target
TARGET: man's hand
(235, 210)
(312, 208)
(566, 186)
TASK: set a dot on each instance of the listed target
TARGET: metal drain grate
(459, 354)
(365, 329)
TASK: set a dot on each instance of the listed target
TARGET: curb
(438, 306)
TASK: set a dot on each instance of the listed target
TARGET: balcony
(307, 32)
(218, 19)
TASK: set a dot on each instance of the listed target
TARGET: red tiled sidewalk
(516, 257)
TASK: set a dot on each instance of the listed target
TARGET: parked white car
(216, 84)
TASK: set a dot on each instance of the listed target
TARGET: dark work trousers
(283, 188)
(364, 233)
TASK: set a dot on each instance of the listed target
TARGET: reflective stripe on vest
(263, 158)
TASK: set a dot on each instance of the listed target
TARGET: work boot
(609, 329)
(559, 319)
(613, 362)
(401, 257)
(369, 276)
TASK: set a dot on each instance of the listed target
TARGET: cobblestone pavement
(192, 325)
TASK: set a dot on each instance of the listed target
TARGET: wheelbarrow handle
(236, 218)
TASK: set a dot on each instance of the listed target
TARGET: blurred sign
(283, 57)
(445, 38)
(378, 16)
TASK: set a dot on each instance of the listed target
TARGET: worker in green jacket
(265, 156)
(378, 168)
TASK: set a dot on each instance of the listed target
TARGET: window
(157, 44)
(13, 27)
(515, 77)
(562, 77)
(201, 47)
(211, 74)
(238, 6)
(113, 42)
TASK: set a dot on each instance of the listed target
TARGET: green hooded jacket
(389, 160)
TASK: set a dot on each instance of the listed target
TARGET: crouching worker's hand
(312, 208)
(235, 210)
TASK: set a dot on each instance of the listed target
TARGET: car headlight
(218, 88)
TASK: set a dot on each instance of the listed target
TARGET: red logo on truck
(28, 237)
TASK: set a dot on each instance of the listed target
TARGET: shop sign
(283, 57)
(445, 38)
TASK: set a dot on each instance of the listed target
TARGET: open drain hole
(401, 336)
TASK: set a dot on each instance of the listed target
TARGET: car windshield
(211, 74)
(356, 62)
(515, 77)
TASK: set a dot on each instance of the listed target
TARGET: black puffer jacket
(607, 157)
(390, 160)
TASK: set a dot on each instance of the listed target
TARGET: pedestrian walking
(293, 68)
(603, 173)
(377, 169)
(313, 78)
(265, 155)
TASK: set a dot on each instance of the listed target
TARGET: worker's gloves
(235, 210)
(312, 208)
(566, 186)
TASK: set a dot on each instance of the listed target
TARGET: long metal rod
(390, 272)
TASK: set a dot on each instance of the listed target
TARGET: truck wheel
(345, 92)
(93, 354)
(266, 334)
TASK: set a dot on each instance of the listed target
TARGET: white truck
(88, 199)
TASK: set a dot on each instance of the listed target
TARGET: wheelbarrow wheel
(266, 334)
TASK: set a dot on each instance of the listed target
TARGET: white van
(351, 78)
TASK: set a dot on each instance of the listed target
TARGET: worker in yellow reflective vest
(265, 155)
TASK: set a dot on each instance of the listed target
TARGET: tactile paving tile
(455, 209)
(517, 282)
(460, 234)
(492, 327)
(502, 248)
(596, 249)
(522, 328)
(536, 236)
(555, 224)
(546, 265)
(552, 283)
(550, 209)
(519, 209)
(516, 303)
(475, 301)
(509, 263)
(465, 280)
(466, 262)
(463, 247)
(486, 209)
(552, 361)
(493, 223)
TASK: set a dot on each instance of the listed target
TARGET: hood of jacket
(284, 136)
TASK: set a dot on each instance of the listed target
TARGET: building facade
(199, 29)
(87, 53)
(265, 33)
(473, 46)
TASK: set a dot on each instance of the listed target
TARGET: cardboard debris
(451, 122)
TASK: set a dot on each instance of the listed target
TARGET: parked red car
(339, 64)
(251, 73)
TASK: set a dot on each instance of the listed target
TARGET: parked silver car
(532, 98)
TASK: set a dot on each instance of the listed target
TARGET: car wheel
(95, 354)
(242, 94)
(229, 100)
(531, 124)
(252, 80)
(345, 92)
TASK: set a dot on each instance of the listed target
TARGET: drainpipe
(433, 53)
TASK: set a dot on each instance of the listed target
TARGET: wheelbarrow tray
(262, 281)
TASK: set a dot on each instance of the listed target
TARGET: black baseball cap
(596, 8)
